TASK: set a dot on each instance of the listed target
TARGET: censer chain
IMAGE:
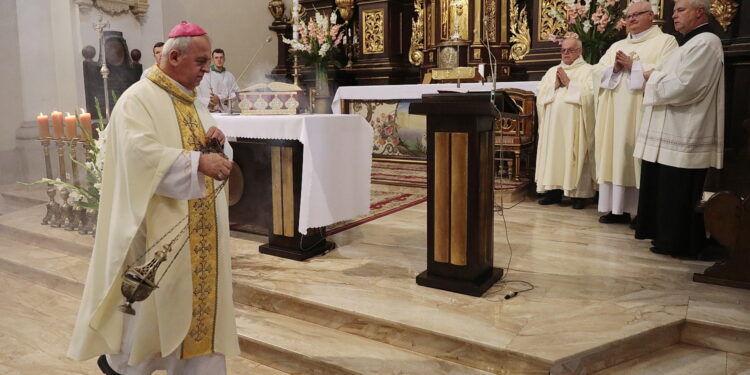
(184, 229)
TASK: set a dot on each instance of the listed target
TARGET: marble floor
(601, 302)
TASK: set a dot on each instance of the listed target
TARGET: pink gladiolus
(621, 24)
(302, 32)
(605, 20)
(322, 36)
(338, 40)
(335, 30)
(601, 27)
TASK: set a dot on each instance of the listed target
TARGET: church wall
(239, 27)
(43, 70)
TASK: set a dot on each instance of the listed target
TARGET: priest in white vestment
(218, 89)
(565, 106)
(682, 134)
(157, 175)
(619, 75)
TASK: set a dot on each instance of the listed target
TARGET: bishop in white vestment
(619, 76)
(565, 105)
(155, 177)
(682, 135)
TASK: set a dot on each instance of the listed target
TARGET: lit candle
(295, 18)
(57, 124)
(70, 126)
(43, 125)
(85, 119)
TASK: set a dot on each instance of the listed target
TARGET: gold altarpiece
(450, 33)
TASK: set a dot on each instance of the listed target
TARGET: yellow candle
(70, 126)
(57, 124)
(43, 125)
(85, 119)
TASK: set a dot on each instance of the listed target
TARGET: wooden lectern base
(298, 247)
(296, 254)
(475, 287)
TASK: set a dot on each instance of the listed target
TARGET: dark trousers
(666, 208)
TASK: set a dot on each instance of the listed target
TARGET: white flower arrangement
(317, 40)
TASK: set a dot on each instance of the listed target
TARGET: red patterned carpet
(415, 175)
(382, 202)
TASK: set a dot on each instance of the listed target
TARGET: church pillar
(9, 93)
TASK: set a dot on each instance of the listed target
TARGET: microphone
(493, 63)
(257, 51)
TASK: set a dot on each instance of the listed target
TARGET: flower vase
(322, 102)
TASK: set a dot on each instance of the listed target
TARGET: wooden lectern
(271, 174)
(460, 146)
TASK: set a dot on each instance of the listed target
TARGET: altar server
(619, 74)
(154, 177)
(682, 134)
(218, 89)
(564, 162)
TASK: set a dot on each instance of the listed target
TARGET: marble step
(299, 347)
(37, 324)
(59, 271)
(425, 342)
(684, 359)
(24, 226)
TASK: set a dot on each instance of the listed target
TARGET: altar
(313, 169)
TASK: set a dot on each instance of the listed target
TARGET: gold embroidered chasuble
(201, 227)
(191, 313)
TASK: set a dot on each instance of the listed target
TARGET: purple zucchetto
(186, 28)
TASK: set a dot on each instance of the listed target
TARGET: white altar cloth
(336, 160)
(413, 92)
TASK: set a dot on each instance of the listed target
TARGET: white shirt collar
(642, 33)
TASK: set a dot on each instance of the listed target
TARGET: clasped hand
(622, 62)
(215, 165)
(561, 79)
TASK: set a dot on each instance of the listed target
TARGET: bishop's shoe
(104, 366)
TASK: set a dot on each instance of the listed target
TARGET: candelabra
(53, 208)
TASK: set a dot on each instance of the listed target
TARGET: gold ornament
(724, 11)
(519, 28)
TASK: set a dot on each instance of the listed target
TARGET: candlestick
(295, 68)
(57, 124)
(53, 208)
(60, 220)
(88, 216)
(43, 121)
(70, 126)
